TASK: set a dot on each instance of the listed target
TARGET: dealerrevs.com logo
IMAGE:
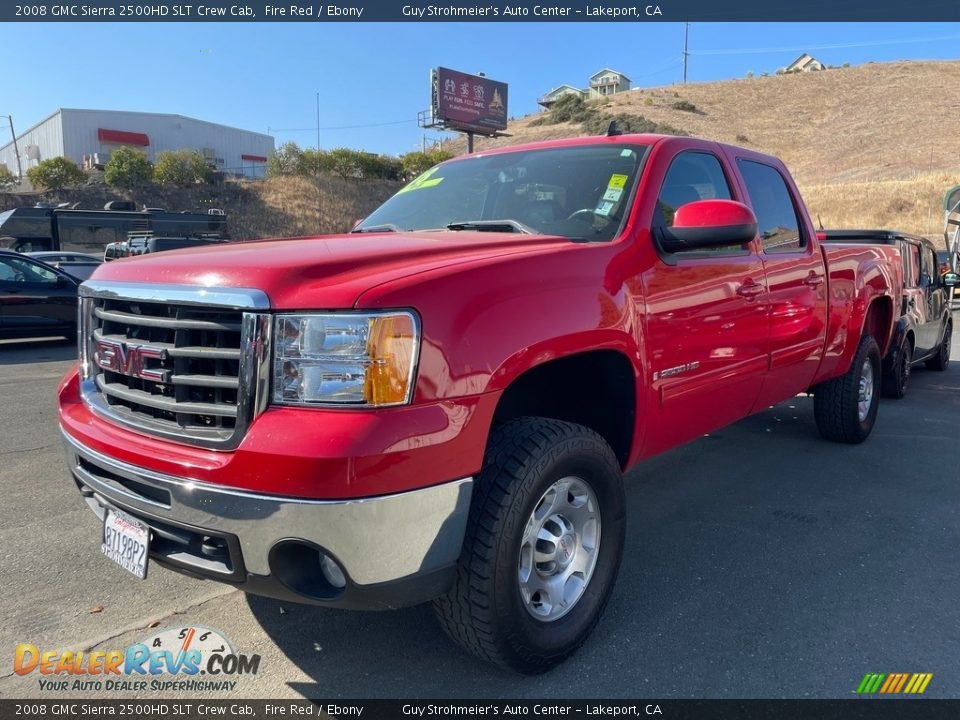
(176, 659)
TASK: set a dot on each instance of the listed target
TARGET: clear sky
(265, 76)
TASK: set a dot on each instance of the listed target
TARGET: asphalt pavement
(761, 561)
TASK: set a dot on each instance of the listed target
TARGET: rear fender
(864, 286)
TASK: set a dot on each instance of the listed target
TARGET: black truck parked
(924, 329)
(91, 231)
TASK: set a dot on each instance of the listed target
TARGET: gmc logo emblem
(129, 360)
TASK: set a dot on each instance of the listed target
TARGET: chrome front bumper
(263, 543)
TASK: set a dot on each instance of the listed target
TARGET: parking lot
(760, 561)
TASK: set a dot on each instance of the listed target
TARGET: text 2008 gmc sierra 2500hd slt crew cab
(440, 405)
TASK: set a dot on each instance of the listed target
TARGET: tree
(285, 160)
(314, 162)
(55, 174)
(180, 167)
(128, 168)
(344, 162)
(417, 163)
(381, 167)
(7, 178)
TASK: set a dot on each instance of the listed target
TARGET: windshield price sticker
(617, 181)
(423, 181)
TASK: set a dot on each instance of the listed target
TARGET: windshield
(580, 192)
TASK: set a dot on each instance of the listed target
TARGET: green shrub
(7, 178)
(285, 160)
(568, 109)
(685, 106)
(127, 168)
(55, 174)
(417, 163)
(629, 124)
(180, 167)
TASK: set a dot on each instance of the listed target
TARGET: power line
(872, 43)
(339, 127)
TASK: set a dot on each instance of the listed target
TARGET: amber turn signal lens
(391, 348)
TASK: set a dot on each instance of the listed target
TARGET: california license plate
(126, 541)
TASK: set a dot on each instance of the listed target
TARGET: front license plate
(126, 541)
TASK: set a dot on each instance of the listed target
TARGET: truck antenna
(820, 221)
(612, 129)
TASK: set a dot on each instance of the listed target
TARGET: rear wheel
(542, 546)
(941, 360)
(896, 377)
(846, 407)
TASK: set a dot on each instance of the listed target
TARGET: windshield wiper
(385, 227)
(493, 226)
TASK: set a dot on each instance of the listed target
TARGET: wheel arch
(594, 388)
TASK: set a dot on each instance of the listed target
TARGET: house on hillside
(608, 82)
(805, 63)
(558, 92)
(602, 83)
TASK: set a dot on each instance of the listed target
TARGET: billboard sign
(469, 103)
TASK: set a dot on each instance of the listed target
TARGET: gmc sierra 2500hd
(440, 405)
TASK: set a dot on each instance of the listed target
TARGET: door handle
(813, 280)
(750, 290)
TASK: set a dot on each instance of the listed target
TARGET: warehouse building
(88, 136)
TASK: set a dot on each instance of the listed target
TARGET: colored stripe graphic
(894, 683)
(870, 683)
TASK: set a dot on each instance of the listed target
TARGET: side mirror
(710, 223)
(64, 281)
(950, 280)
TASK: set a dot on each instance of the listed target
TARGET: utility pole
(319, 193)
(16, 150)
(686, 55)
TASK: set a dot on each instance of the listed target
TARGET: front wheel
(542, 546)
(941, 360)
(846, 407)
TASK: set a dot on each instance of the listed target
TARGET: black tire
(485, 612)
(941, 360)
(896, 376)
(836, 402)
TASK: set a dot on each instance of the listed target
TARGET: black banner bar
(189, 709)
(630, 11)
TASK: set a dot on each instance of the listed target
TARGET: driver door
(706, 319)
(34, 296)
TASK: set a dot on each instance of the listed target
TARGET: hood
(325, 272)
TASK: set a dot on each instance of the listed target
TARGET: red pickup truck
(441, 404)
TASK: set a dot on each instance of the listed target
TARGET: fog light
(332, 572)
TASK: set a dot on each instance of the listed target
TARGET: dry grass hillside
(872, 145)
(276, 207)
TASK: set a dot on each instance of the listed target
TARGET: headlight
(345, 358)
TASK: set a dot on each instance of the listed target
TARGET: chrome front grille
(189, 364)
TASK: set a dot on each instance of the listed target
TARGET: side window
(928, 267)
(911, 270)
(777, 219)
(692, 176)
(7, 272)
(24, 271)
